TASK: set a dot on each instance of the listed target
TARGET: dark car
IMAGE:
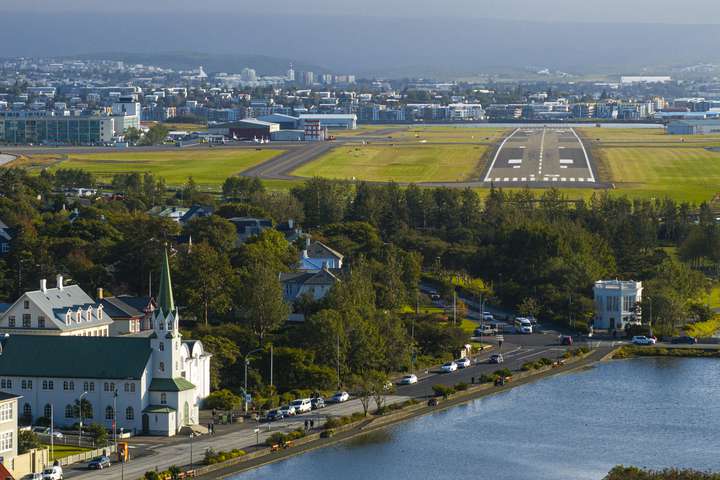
(433, 402)
(684, 340)
(274, 415)
(99, 463)
(566, 340)
(317, 402)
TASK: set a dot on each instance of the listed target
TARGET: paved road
(6, 158)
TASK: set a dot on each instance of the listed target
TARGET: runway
(541, 155)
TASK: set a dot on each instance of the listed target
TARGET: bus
(523, 325)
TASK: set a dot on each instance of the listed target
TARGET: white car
(303, 405)
(488, 317)
(463, 362)
(449, 367)
(340, 397)
(53, 473)
(643, 340)
(408, 379)
(287, 410)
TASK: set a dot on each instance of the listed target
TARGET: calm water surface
(646, 412)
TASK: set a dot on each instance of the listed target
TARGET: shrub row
(537, 365)
(576, 352)
(385, 409)
(212, 457)
(336, 422)
(278, 438)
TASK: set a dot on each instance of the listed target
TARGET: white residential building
(617, 304)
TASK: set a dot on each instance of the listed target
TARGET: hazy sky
(626, 11)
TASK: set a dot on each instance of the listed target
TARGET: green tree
(217, 232)
(206, 281)
(27, 440)
(261, 301)
(225, 354)
(155, 135)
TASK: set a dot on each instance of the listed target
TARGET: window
(44, 385)
(6, 412)
(127, 387)
(129, 413)
(162, 366)
(132, 388)
(106, 386)
(26, 304)
(27, 411)
(51, 385)
(6, 384)
(11, 321)
(6, 441)
(41, 322)
(69, 411)
(112, 387)
(92, 387)
(162, 325)
(26, 320)
(162, 346)
(163, 399)
(47, 411)
(67, 385)
(109, 413)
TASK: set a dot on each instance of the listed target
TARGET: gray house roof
(55, 303)
(320, 250)
(74, 356)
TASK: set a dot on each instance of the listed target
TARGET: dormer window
(68, 318)
(100, 312)
(78, 316)
(88, 314)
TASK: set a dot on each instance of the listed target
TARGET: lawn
(62, 451)
(209, 168)
(400, 163)
(647, 163)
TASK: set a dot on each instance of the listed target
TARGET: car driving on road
(449, 367)
(339, 397)
(301, 405)
(317, 402)
(496, 358)
(463, 362)
(684, 340)
(99, 463)
(643, 340)
(408, 379)
(274, 415)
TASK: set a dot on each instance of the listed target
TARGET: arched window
(27, 411)
(69, 411)
(163, 399)
(47, 411)
(129, 413)
(162, 366)
(186, 414)
(109, 413)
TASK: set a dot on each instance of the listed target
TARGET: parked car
(566, 340)
(643, 340)
(41, 430)
(317, 402)
(496, 358)
(340, 397)
(463, 362)
(433, 402)
(33, 476)
(684, 340)
(274, 415)
(53, 473)
(287, 410)
(301, 405)
(99, 463)
(485, 330)
(449, 367)
(408, 379)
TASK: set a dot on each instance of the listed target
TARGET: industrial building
(347, 121)
(693, 127)
(286, 122)
(52, 129)
(246, 129)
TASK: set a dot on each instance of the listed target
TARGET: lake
(646, 412)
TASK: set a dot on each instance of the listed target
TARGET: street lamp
(247, 362)
(191, 453)
(80, 407)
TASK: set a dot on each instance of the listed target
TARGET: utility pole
(52, 431)
(271, 366)
(454, 307)
(115, 418)
(80, 406)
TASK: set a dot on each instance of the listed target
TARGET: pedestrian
(306, 425)
(209, 427)
(312, 424)
(472, 380)
(212, 428)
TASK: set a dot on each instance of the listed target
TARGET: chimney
(291, 223)
(43, 285)
(59, 281)
(100, 293)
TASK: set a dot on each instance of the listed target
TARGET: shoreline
(314, 441)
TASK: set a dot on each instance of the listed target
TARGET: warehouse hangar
(246, 129)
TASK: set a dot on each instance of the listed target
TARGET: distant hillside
(230, 63)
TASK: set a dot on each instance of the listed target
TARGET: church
(152, 384)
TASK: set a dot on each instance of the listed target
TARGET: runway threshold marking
(497, 154)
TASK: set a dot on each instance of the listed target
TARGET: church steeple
(165, 300)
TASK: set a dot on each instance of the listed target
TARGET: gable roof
(55, 303)
(321, 277)
(320, 250)
(117, 308)
(177, 384)
(74, 356)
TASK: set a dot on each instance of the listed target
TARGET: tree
(155, 135)
(222, 400)
(362, 386)
(217, 232)
(27, 440)
(132, 135)
(206, 280)
(260, 298)
(100, 434)
(225, 354)
(381, 388)
(529, 307)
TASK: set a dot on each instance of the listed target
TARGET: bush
(527, 366)
(100, 434)
(278, 438)
(27, 440)
(443, 390)
(485, 378)
(42, 422)
(546, 362)
(211, 457)
(222, 400)
(503, 372)
(461, 387)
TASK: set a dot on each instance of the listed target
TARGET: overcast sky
(626, 11)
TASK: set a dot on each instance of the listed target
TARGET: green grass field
(209, 168)
(62, 451)
(401, 163)
(648, 163)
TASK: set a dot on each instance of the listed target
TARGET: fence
(88, 441)
(85, 456)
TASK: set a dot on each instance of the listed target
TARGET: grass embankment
(207, 167)
(703, 329)
(398, 162)
(631, 351)
(648, 163)
(62, 451)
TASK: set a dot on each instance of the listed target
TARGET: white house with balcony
(617, 304)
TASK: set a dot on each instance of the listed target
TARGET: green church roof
(177, 384)
(165, 299)
(74, 356)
